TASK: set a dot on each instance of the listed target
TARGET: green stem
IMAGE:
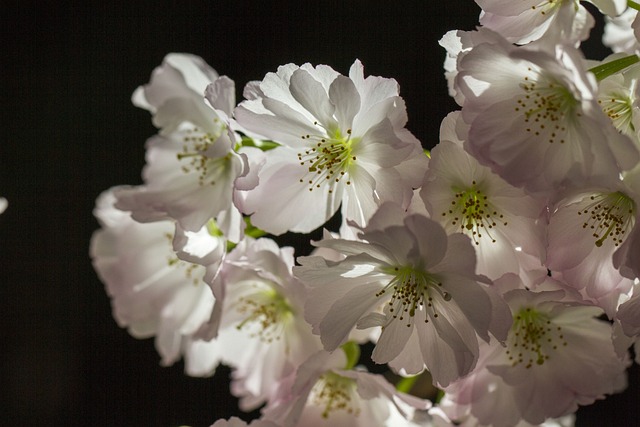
(352, 351)
(406, 383)
(633, 5)
(607, 69)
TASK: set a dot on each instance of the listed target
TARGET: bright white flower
(558, 355)
(618, 32)
(551, 20)
(192, 167)
(323, 393)
(534, 118)
(423, 281)
(258, 319)
(342, 140)
(466, 197)
(3, 204)
(153, 293)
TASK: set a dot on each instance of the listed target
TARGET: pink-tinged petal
(473, 304)
(312, 97)
(286, 128)
(431, 239)
(221, 94)
(446, 360)
(392, 340)
(330, 283)
(344, 95)
(278, 204)
(460, 255)
(629, 315)
(344, 314)
(359, 201)
(380, 146)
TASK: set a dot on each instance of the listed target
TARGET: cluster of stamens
(545, 105)
(194, 152)
(619, 108)
(471, 212)
(411, 290)
(609, 216)
(327, 159)
(533, 338)
(334, 393)
(264, 312)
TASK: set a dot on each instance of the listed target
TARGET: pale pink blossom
(534, 118)
(412, 280)
(258, 319)
(558, 355)
(560, 21)
(153, 293)
(324, 393)
(504, 223)
(192, 167)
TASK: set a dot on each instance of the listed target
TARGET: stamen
(609, 216)
(327, 158)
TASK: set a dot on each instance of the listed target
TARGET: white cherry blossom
(342, 140)
(153, 293)
(258, 319)
(192, 167)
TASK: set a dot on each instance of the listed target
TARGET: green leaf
(607, 69)
(406, 383)
(352, 351)
(263, 145)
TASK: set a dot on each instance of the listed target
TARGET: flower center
(546, 105)
(334, 393)
(609, 216)
(619, 107)
(412, 289)
(327, 158)
(532, 338)
(194, 156)
(472, 214)
(265, 313)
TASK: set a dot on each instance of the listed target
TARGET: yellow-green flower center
(545, 106)
(334, 393)
(266, 313)
(327, 158)
(194, 158)
(619, 107)
(412, 289)
(609, 215)
(472, 213)
(533, 338)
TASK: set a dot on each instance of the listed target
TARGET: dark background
(69, 131)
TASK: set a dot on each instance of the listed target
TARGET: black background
(69, 131)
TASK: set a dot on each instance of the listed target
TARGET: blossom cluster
(503, 264)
